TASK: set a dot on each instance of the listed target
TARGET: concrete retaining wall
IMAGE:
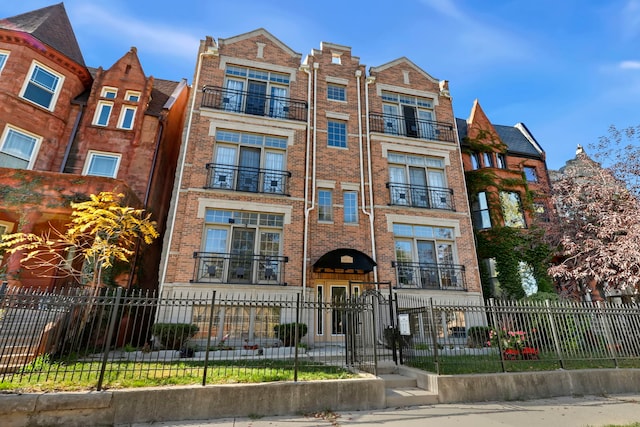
(536, 385)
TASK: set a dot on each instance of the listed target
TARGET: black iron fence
(412, 127)
(258, 104)
(518, 336)
(213, 267)
(419, 196)
(255, 180)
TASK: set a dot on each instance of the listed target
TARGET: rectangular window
(350, 207)
(502, 160)
(512, 209)
(3, 59)
(325, 205)
(18, 148)
(488, 160)
(109, 92)
(336, 92)
(127, 117)
(103, 112)
(132, 96)
(418, 181)
(408, 115)
(530, 174)
(475, 161)
(42, 87)
(337, 134)
(480, 212)
(102, 164)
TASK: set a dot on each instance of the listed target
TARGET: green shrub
(173, 335)
(478, 336)
(286, 333)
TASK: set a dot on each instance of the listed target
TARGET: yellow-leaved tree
(101, 232)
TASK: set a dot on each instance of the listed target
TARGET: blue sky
(566, 69)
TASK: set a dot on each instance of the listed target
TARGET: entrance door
(332, 320)
(256, 98)
(242, 251)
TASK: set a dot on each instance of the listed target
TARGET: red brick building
(67, 131)
(506, 174)
(309, 175)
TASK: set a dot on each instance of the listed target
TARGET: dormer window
(132, 96)
(109, 92)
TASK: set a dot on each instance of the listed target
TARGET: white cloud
(629, 65)
(148, 37)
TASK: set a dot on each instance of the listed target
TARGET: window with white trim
(103, 113)
(127, 116)
(336, 92)
(258, 92)
(408, 115)
(109, 92)
(336, 134)
(418, 181)
(325, 205)
(249, 162)
(132, 96)
(18, 148)
(102, 164)
(3, 59)
(42, 86)
(350, 207)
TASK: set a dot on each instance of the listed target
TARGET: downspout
(370, 213)
(178, 182)
(72, 137)
(310, 158)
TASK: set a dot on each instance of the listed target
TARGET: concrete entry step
(398, 381)
(410, 396)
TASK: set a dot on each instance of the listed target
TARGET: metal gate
(371, 327)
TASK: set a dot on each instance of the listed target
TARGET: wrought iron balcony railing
(412, 127)
(240, 101)
(254, 180)
(419, 196)
(415, 275)
(213, 267)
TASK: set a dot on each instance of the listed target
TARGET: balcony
(414, 275)
(212, 267)
(418, 196)
(412, 127)
(257, 104)
(253, 180)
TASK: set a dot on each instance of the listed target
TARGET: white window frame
(101, 106)
(107, 91)
(325, 211)
(346, 134)
(130, 94)
(54, 94)
(93, 154)
(4, 57)
(353, 207)
(336, 89)
(36, 146)
(123, 115)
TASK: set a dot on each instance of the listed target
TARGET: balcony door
(249, 169)
(256, 98)
(427, 260)
(418, 180)
(410, 121)
(242, 251)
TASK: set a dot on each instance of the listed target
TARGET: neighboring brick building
(67, 131)
(506, 174)
(317, 175)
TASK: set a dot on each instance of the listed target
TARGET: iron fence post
(206, 352)
(295, 339)
(107, 344)
(607, 332)
(494, 319)
(434, 335)
(554, 333)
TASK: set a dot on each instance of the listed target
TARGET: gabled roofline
(527, 134)
(263, 32)
(405, 60)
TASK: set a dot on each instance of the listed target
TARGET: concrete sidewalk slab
(592, 411)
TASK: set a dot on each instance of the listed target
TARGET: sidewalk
(592, 411)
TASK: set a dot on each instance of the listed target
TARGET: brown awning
(346, 260)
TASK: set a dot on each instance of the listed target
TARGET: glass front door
(242, 251)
